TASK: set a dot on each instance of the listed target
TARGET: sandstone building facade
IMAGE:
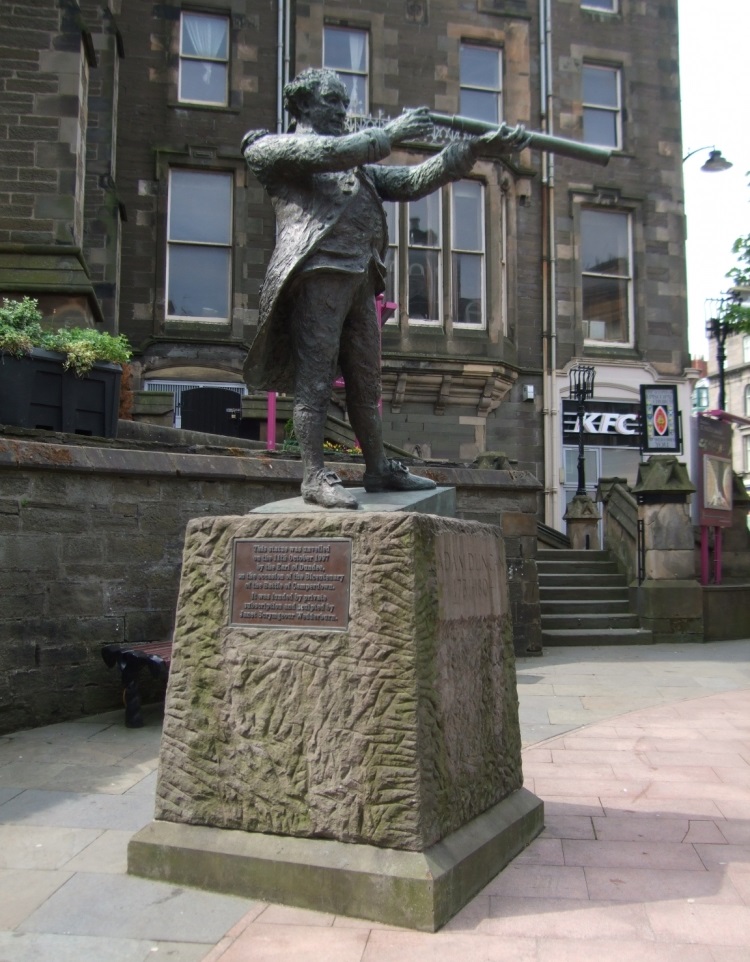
(121, 178)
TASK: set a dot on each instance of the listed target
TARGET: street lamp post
(719, 328)
(715, 164)
(581, 381)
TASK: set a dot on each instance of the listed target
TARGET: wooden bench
(131, 659)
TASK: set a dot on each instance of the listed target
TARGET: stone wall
(91, 543)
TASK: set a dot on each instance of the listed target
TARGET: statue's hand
(412, 124)
(506, 138)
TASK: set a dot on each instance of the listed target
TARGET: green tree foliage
(737, 309)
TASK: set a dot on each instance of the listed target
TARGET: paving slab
(22, 891)
(120, 906)
(654, 885)
(301, 943)
(700, 923)
(33, 947)
(75, 810)
(657, 876)
(42, 846)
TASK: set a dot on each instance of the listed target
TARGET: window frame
(195, 58)
(497, 91)
(746, 401)
(172, 243)
(629, 341)
(364, 74)
(746, 348)
(393, 216)
(600, 108)
(439, 248)
(593, 5)
(446, 249)
(480, 252)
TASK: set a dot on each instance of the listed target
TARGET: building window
(467, 253)
(199, 243)
(481, 75)
(608, 6)
(700, 398)
(204, 59)
(425, 259)
(746, 444)
(391, 258)
(747, 400)
(601, 106)
(346, 51)
(460, 242)
(606, 265)
(746, 349)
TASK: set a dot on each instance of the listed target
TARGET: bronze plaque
(291, 583)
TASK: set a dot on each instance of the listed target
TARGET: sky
(715, 82)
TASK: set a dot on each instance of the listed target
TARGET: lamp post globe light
(715, 164)
(581, 383)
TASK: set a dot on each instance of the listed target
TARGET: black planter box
(37, 392)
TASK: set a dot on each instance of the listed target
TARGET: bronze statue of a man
(317, 305)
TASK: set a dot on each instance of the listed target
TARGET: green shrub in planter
(66, 380)
(21, 330)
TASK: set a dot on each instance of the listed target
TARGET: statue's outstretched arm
(410, 183)
(302, 154)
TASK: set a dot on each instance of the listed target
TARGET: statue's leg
(319, 305)
(359, 358)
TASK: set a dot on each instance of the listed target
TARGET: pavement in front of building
(642, 757)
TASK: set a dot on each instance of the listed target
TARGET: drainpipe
(549, 272)
(280, 25)
(282, 75)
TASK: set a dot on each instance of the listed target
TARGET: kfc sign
(612, 423)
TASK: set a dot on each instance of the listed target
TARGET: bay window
(467, 253)
(425, 259)
(437, 245)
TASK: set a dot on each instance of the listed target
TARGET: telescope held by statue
(545, 142)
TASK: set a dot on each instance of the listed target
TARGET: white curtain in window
(207, 35)
(357, 50)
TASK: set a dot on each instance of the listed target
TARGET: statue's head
(318, 98)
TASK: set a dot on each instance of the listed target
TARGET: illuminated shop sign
(605, 423)
(661, 418)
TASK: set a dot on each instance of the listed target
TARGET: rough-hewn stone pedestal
(371, 768)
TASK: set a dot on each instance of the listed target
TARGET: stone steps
(584, 600)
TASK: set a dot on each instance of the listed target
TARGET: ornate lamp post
(719, 328)
(715, 164)
(581, 381)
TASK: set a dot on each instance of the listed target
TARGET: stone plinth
(669, 541)
(389, 732)
(396, 729)
(582, 523)
(670, 600)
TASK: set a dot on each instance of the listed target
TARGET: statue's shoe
(327, 489)
(396, 478)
